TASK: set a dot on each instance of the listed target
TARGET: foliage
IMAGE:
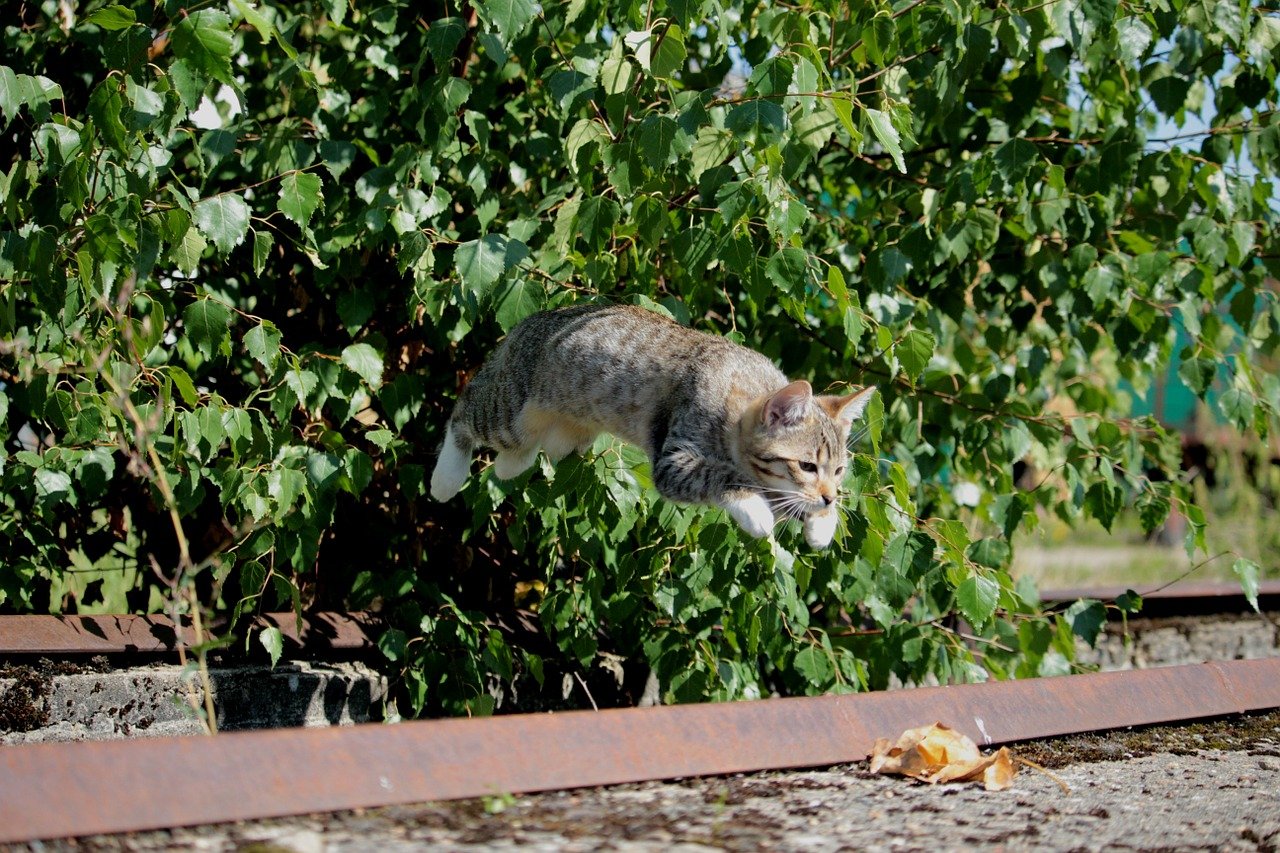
(250, 252)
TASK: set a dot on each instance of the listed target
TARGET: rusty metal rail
(63, 790)
(98, 635)
(1183, 598)
(353, 632)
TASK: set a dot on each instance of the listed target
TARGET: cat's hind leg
(561, 441)
(453, 466)
(556, 433)
(510, 464)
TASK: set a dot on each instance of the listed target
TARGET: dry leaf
(937, 753)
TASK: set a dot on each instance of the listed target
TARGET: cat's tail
(453, 466)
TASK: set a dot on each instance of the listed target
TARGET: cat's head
(795, 442)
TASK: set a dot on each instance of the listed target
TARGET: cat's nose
(828, 500)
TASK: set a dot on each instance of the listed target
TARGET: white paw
(752, 514)
(820, 528)
(451, 471)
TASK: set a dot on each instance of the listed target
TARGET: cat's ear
(847, 409)
(788, 405)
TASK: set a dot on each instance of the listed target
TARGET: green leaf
(263, 344)
(842, 105)
(1104, 501)
(256, 19)
(954, 538)
(359, 471)
(584, 142)
(273, 641)
(757, 116)
(1086, 618)
(772, 77)
(814, 665)
(990, 552)
(443, 38)
(262, 243)
(1129, 602)
(52, 487)
(299, 196)
(11, 99)
(187, 253)
(206, 322)
(888, 268)
(788, 269)
(336, 155)
(914, 352)
(402, 399)
(884, 131)
(393, 643)
(617, 73)
(878, 36)
(836, 285)
(365, 362)
(284, 485)
(520, 299)
(1247, 571)
(656, 135)
(1015, 158)
(1153, 509)
(189, 82)
(203, 40)
(182, 382)
(112, 18)
(224, 219)
(105, 105)
(711, 148)
(976, 596)
(669, 54)
(480, 263)
(1169, 93)
(508, 17)
(355, 307)
(596, 218)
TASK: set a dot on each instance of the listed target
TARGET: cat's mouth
(816, 500)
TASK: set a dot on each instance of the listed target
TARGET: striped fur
(720, 423)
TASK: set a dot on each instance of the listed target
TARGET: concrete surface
(154, 700)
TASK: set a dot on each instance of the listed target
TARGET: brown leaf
(937, 753)
(999, 773)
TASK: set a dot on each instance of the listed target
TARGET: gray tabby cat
(719, 422)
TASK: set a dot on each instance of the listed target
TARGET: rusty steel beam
(108, 635)
(64, 790)
(1181, 598)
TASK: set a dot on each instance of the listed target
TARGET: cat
(719, 422)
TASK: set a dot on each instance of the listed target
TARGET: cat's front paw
(753, 515)
(820, 528)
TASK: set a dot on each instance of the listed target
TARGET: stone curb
(153, 701)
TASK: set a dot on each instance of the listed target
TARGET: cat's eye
(839, 470)
(808, 467)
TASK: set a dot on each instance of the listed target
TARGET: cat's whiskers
(846, 503)
(790, 503)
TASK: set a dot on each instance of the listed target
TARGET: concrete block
(156, 700)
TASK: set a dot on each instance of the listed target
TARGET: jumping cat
(719, 422)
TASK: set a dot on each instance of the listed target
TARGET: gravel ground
(1207, 786)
